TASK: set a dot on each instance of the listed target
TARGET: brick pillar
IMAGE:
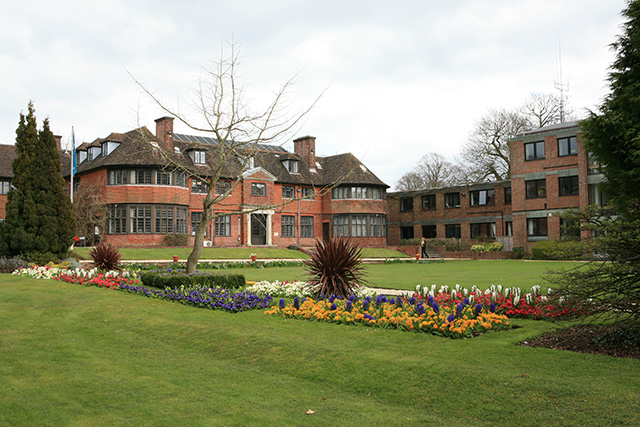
(306, 148)
(164, 132)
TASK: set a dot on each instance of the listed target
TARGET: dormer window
(82, 156)
(251, 162)
(198, 157)
(94, 152)
(109, 146)
(291, 165)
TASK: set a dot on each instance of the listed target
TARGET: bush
(410, 242)
(41, 258)
(488, 247)
(517, 253)
(176, 240)
(9, 265)
(105, 257)
(176, 280)
(559, 250)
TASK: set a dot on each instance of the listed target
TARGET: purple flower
(349, 306)
(478, 308)
(420, 309)
(281, 303)
(450, 318)
(492, 307)
(365, 305)
(430, 301)
(466, 301)
(412, 301)
(333, 306)
(435, 307)
(296, 303)
(399, 302)
(332, 298)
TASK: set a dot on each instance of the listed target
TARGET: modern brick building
(550, 172)
(282, 198)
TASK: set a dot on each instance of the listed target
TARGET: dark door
(326, 231)
(258, 229)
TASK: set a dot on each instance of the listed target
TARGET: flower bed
(210, 298)
(293, 289)
(463, 320)
(509, 301)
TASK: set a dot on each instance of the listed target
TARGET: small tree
(239, 129)
(39, 215)
(90, 210)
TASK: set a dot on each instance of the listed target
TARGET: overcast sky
(404, 78)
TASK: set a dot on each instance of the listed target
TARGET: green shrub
(42, 258)
(488, 247)
(517, 253)
(559, 250)
(176, 240)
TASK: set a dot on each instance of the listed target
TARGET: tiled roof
(135, 150)
(8, 154)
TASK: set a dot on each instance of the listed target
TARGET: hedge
(173, 280)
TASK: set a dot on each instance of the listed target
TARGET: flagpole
(73, 160)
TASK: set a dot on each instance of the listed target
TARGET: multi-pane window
(485, 229)
(142, 176)
(428, 202)
(181, 220)
(291, 165)
(140, 219)
(452, 200)
(223, 226)
(507, 195)
(258, 189)
(429, 231)
(568, 185)
(406, 233)
(164, 220)
(482, 197)
(199, 157)
(288, 226)
(198, 186)
(196, 219)
(452, 231)
(181, 179)
(117, 222)
(359, 225)
(534, 150)
(306, 226)
(288, 191)
(4, 187)
(357, 193)
(508, 225)
(118, 177)
(406, 204)
(536, 227)
(222, 187)
(568, 146)
(307, 192)
(536, 188)
(164, 178)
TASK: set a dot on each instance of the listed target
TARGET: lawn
(243, 253)
(481, 273)
(71, 355)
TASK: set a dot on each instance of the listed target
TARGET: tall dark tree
(613, 136)
(39, 214)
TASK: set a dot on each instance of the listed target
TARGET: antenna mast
(558, 83)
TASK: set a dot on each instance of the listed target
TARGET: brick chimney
(58, 139)
(164, 132)
(306, 148)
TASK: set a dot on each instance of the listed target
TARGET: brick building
(282, 198)
(550, 172)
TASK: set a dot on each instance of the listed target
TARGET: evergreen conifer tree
(39, 215)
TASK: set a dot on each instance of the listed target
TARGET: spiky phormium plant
(336, 267)
(105, 257)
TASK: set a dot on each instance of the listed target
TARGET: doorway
(258, 229)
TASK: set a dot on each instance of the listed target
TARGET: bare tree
(543, 109)
(485, 156)
(486, 153)
(431, 171)
(239, 128)
(90, 211)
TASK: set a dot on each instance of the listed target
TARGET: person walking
(423, 247)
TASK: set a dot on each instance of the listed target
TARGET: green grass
(483, 274)
(243, 253)
(71, 355)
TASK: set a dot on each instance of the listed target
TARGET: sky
(398, 79)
